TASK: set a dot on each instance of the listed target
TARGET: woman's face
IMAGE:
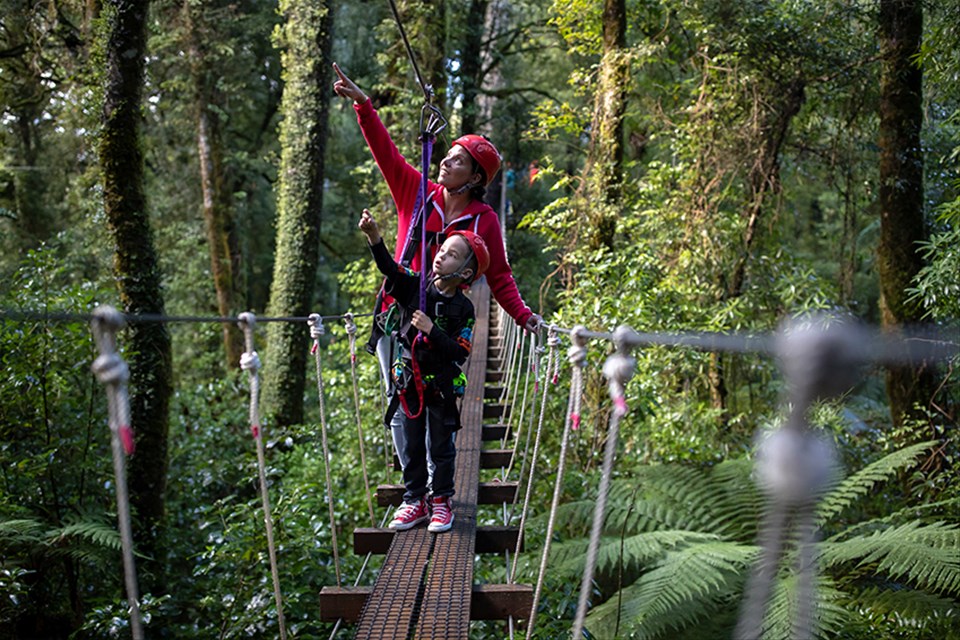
(456, 169)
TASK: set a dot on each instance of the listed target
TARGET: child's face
(451, 256)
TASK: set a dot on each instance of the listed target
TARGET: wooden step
(489, 459)
(488, 493)
(487, 602)
(492, 391)
(495, 410)
(490, 539)
(495, 375)
(493, 432)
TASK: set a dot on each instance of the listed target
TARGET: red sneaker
(442, 518)
(410, 514)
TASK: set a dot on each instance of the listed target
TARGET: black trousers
(443, 452)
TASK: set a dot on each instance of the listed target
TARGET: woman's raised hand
(347, 88)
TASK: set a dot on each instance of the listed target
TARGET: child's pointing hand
(369, 227)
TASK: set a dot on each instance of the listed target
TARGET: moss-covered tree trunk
(471, 67)
(305, 39)
(218, 214)
(902, 225)
(137, 271)
(604, 168)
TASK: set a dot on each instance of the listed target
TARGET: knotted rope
(553, 343)
(536, 351)
(112, 372)
(250, 362)
(577, 354)
(795, 466)
(317, 330)
(351, 329)
(618, 369)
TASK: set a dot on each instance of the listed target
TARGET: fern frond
(636, 551)
(830, 615)
(918, 512)
(862, 482)
(686, 586)
(913, 608)
(738, 502)
(20, 530)
(97, 532)
(926, 554)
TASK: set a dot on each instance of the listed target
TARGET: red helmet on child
(483, 151)
(479, 248)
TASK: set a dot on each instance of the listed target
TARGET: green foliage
(678, 544)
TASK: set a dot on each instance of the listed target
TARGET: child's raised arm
(369, 227)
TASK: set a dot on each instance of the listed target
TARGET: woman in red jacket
(454, 202)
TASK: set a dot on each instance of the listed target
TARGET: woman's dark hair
(479, 191)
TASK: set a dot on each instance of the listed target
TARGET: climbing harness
(351, 329)
(250, 362)
(577, 354)
(317, 331)
(618, 369)
(113, 373)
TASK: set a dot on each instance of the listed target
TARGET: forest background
(700, 165)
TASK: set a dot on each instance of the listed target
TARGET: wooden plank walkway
(425, 587)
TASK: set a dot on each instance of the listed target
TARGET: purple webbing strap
(428, 140)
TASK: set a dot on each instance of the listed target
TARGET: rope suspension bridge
(425, 585)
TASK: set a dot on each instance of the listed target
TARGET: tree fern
(906, 604)
(927, 555)
(635, 551)
(830, 615)
(687, 585)
(862, 482)
(684, 535)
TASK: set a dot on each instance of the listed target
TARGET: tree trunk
(901, 192)
(306, 67)
(604, 167)
(471, 64)
(218, 212)
(137, 271)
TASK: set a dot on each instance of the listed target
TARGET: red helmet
(479, 248)
(483, 151)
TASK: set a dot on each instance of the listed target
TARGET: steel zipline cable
(148, 318)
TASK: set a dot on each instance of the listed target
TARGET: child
(427, 374)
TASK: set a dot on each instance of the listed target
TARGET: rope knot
(317, 330)
(577, 353)
(619, 367)
(553, 338)
(250, 361)
(349, 324)
(110, 369)
(795, 466)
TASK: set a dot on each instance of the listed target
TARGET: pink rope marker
(574, 421)
(620, 406)
(255, 430)
(126, 437)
